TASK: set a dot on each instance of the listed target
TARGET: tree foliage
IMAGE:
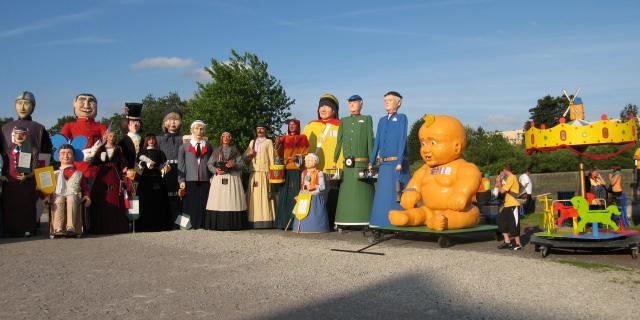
(241, 94)
(4, 121)
(56, 128)
(548, 111)
(153, 110)
(413, 142)
(630, 110)
(490, 151)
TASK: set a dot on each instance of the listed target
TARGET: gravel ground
(270, 274)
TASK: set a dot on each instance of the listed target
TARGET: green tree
(627, 111)
(413, 142)
(547, 111)
(115, 123)
(241, 94)
(56, 128)
(490, 151)
(4, 121)
(153, 110)
(152, 113)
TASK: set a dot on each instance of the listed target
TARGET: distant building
(514, 136)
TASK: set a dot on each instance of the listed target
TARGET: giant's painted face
(134, 126)
(442, 140)
(293, 127)
(85, 107)
(355, 107)
(226, 139)
(110, 137)
(172, 122)
(326, 112)
(391, 103)
(18, 137)
(197, 131)
(65, 156)
(24, 108)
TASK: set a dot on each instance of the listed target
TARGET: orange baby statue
(445, 183)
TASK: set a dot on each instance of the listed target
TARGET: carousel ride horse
(591, 216)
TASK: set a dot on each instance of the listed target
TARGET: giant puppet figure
(445, 183)
(193, 174)
(38, 137)
(85, 107)
(355, 142)
(323, 137)
(261, 206)
(391, 149)
(19, 195)
(131, 143)
(291, 148)
(170, 143)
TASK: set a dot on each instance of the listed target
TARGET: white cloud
(198, 74)
(82, 40)
(46, 23)
(501, 120)
(162, 62)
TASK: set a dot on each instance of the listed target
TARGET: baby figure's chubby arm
(467, 182)
(411, 195)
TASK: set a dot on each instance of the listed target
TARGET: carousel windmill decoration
(575, 109)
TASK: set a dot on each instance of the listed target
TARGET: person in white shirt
(525, 182)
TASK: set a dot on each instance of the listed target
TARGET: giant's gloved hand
(146, 162)
(89, 153)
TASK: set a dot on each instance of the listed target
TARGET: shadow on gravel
(407, 297)
(43, 234)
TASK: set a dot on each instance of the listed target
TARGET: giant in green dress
(355, 140)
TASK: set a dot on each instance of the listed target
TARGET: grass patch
(536, 219)
(595, 266)
(634, 227)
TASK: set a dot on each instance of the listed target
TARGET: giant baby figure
(445, 184)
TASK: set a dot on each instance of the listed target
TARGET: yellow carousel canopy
(578, 133)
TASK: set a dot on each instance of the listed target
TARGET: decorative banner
(184, 221)
(303, 204)
(44, 159)
(134, 210)
(24, 162)
(45, 179)
(276, 173)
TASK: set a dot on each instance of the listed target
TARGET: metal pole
(582, 186)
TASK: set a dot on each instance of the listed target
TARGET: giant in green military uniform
(355, 140)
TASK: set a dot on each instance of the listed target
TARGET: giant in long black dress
(108, 214)
(155, 212)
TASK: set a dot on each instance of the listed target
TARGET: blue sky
(485, 62)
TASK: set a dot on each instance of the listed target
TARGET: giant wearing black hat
(132, 140)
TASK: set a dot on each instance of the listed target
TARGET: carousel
(588, 214)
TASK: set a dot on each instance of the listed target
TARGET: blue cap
(355, 97)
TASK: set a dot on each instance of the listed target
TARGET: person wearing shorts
(509, 221)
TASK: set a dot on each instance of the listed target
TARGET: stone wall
(568, 181)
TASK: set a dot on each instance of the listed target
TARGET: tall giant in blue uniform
(391, 146)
